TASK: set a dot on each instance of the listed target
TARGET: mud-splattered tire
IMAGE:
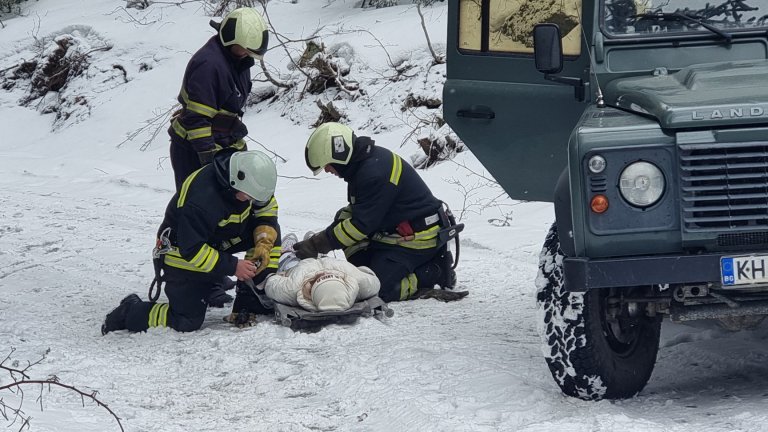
(586, 359)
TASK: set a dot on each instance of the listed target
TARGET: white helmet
(254, 173)
(247, 28)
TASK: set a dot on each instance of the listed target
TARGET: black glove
(313, 246)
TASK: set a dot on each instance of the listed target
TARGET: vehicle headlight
(641, 184)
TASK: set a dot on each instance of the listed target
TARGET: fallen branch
(17, 388)
(55, 381)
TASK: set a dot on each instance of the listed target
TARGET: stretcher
(299, 318)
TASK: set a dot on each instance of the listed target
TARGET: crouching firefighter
(393, 224)
(222, 208)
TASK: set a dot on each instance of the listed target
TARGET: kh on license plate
(744, 270)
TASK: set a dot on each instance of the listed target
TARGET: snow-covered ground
(78, 216)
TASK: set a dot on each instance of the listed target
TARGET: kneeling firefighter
(393, 224)
(222, 208)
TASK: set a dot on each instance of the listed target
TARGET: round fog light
(641, 184)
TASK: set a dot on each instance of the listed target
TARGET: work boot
(218, 298)
(115, 320)
(437, 271)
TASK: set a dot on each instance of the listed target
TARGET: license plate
(744, 270)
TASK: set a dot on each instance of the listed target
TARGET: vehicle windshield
(655, 18)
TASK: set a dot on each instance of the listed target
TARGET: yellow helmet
(247, 28)
(329, 143)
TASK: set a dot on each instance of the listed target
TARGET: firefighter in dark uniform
(392, 222)
(222, 208)
(213, 93)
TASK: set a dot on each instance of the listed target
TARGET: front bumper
(584, 274)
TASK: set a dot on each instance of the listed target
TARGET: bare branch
(17, 388)
(131, 18)
(272, 80)
(153, 126)
(266, 149)
(283, 43)
(437, 59)
(54, 381)
(299, 177)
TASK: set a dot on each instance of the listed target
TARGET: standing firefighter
(222, 208)
(214, 90)
(213, 94)
(393, 223)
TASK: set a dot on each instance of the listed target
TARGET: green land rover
(645, 122)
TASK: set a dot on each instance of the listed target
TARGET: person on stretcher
(324, 284)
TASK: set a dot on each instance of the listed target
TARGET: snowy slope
(78, 216)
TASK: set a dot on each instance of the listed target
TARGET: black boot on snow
(115, 320)
(218, 298)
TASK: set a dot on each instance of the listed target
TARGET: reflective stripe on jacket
(214, 89)
(208, 225)
(384, 191)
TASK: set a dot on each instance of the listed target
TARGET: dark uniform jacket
(213, 94)
(384, 192)
(208, 224)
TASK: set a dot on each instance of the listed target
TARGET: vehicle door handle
(476, 114)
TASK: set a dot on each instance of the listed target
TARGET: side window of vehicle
(506, 26)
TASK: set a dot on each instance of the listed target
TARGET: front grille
(743, 239)
(724, 186)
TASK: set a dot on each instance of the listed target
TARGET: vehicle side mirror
(547, 48)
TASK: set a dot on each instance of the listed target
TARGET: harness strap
(162, 247)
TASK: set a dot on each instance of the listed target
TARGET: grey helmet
(254, 173)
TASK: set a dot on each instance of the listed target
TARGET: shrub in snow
(60, 73)
(10, 6)
(137, 4)
(441, 144)
(222, 7)
(326, 69)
